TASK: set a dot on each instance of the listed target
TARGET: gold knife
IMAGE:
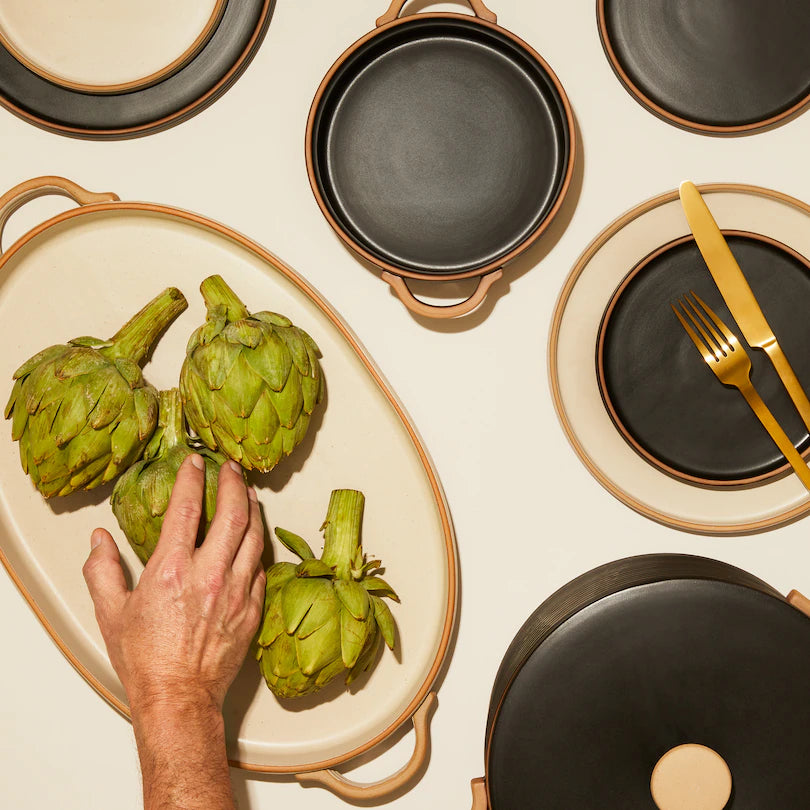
(737, 294)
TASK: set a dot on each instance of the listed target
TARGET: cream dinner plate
(100, 263)
(574, 380)
(106, 46)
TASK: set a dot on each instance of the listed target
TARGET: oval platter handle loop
(478, 7)
(43, 186)
(357, 791)
(799, 601)
(479, 794)
(438, 311)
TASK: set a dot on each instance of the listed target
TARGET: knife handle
(776, 433)
(790, 381)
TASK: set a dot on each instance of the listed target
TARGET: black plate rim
(593, 586)
(314, 174)
(222, 84)
(684, 123)
(710, 483)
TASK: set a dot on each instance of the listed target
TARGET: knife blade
(737, 293)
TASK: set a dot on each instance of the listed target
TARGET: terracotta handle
(479, 9)
(800, 602)
(479, 792)
(41, 187)
(354, 791)
(438, 311)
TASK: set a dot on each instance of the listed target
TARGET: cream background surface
(528, 516)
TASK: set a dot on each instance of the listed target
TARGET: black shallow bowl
(660, 393)
(637, 657)
(439, 146)
(711, 65)
(120, 115)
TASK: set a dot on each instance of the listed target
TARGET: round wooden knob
(691, 777)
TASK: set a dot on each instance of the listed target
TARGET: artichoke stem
(135, 338)
(344, 519)
(171, 418)
(216, 292)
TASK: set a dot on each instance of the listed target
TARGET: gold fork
(731, 365)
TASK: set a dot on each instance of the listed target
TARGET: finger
(182, 519)
(250, 551)
(231, 518)
(105, 578)
(257, 587)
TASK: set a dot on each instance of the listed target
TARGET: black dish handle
(479, 9)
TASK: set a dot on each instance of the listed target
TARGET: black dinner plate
(118, 115)
(638, 657)
(710, 65)
(440, 146)
(659, 391)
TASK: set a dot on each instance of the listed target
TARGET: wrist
(183, 704)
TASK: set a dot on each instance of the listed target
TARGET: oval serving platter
(573, 367)
(99, 262)
(641, 657)
(98, 46)
(218, 63)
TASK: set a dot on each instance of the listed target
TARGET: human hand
(182, 634)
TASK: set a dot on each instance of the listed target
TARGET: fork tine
(708, 355)
(718, 338)
(707, 338)
(730, 336)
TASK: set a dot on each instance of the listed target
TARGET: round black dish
(724, 65)
(637, 657)
(120, 115)
(663, 397)
(440, 146)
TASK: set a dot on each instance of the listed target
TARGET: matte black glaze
(724, 63)
(440, 146)
(664, 394)
(97, 115)
(655, 657)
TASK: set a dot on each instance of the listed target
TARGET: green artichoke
(82, 412)
(249, 382)
(141, 494)
(324, 616)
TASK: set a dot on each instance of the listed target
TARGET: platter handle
(799, 601)
(478, 7)
(479, 794)
(357, 791)
(439, 311)
(44, 186)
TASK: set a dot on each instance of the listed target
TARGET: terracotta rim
(135, 84)
(170, 120)
(337, 321)
(711, 483)
(559, 309)
(529, 240)
(666, 115)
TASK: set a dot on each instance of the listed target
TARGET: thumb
(105, 577)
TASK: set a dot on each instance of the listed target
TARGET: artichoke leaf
(271, 360)
(320, 647)
(366, 658)
(385, 621)
(39, 359)
(298, 596)
(273, 318)
(314, 568)
(353, 636)
(354, 598)
(294, 543)
(379, 587)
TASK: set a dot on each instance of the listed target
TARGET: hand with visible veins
(179, 638)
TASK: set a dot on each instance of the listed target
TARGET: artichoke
(249, 382)
(82, 412)
(141, 494)
(324, 616)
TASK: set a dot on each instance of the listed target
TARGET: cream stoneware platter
(99, 263)
(107, 46)
(574, 381)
